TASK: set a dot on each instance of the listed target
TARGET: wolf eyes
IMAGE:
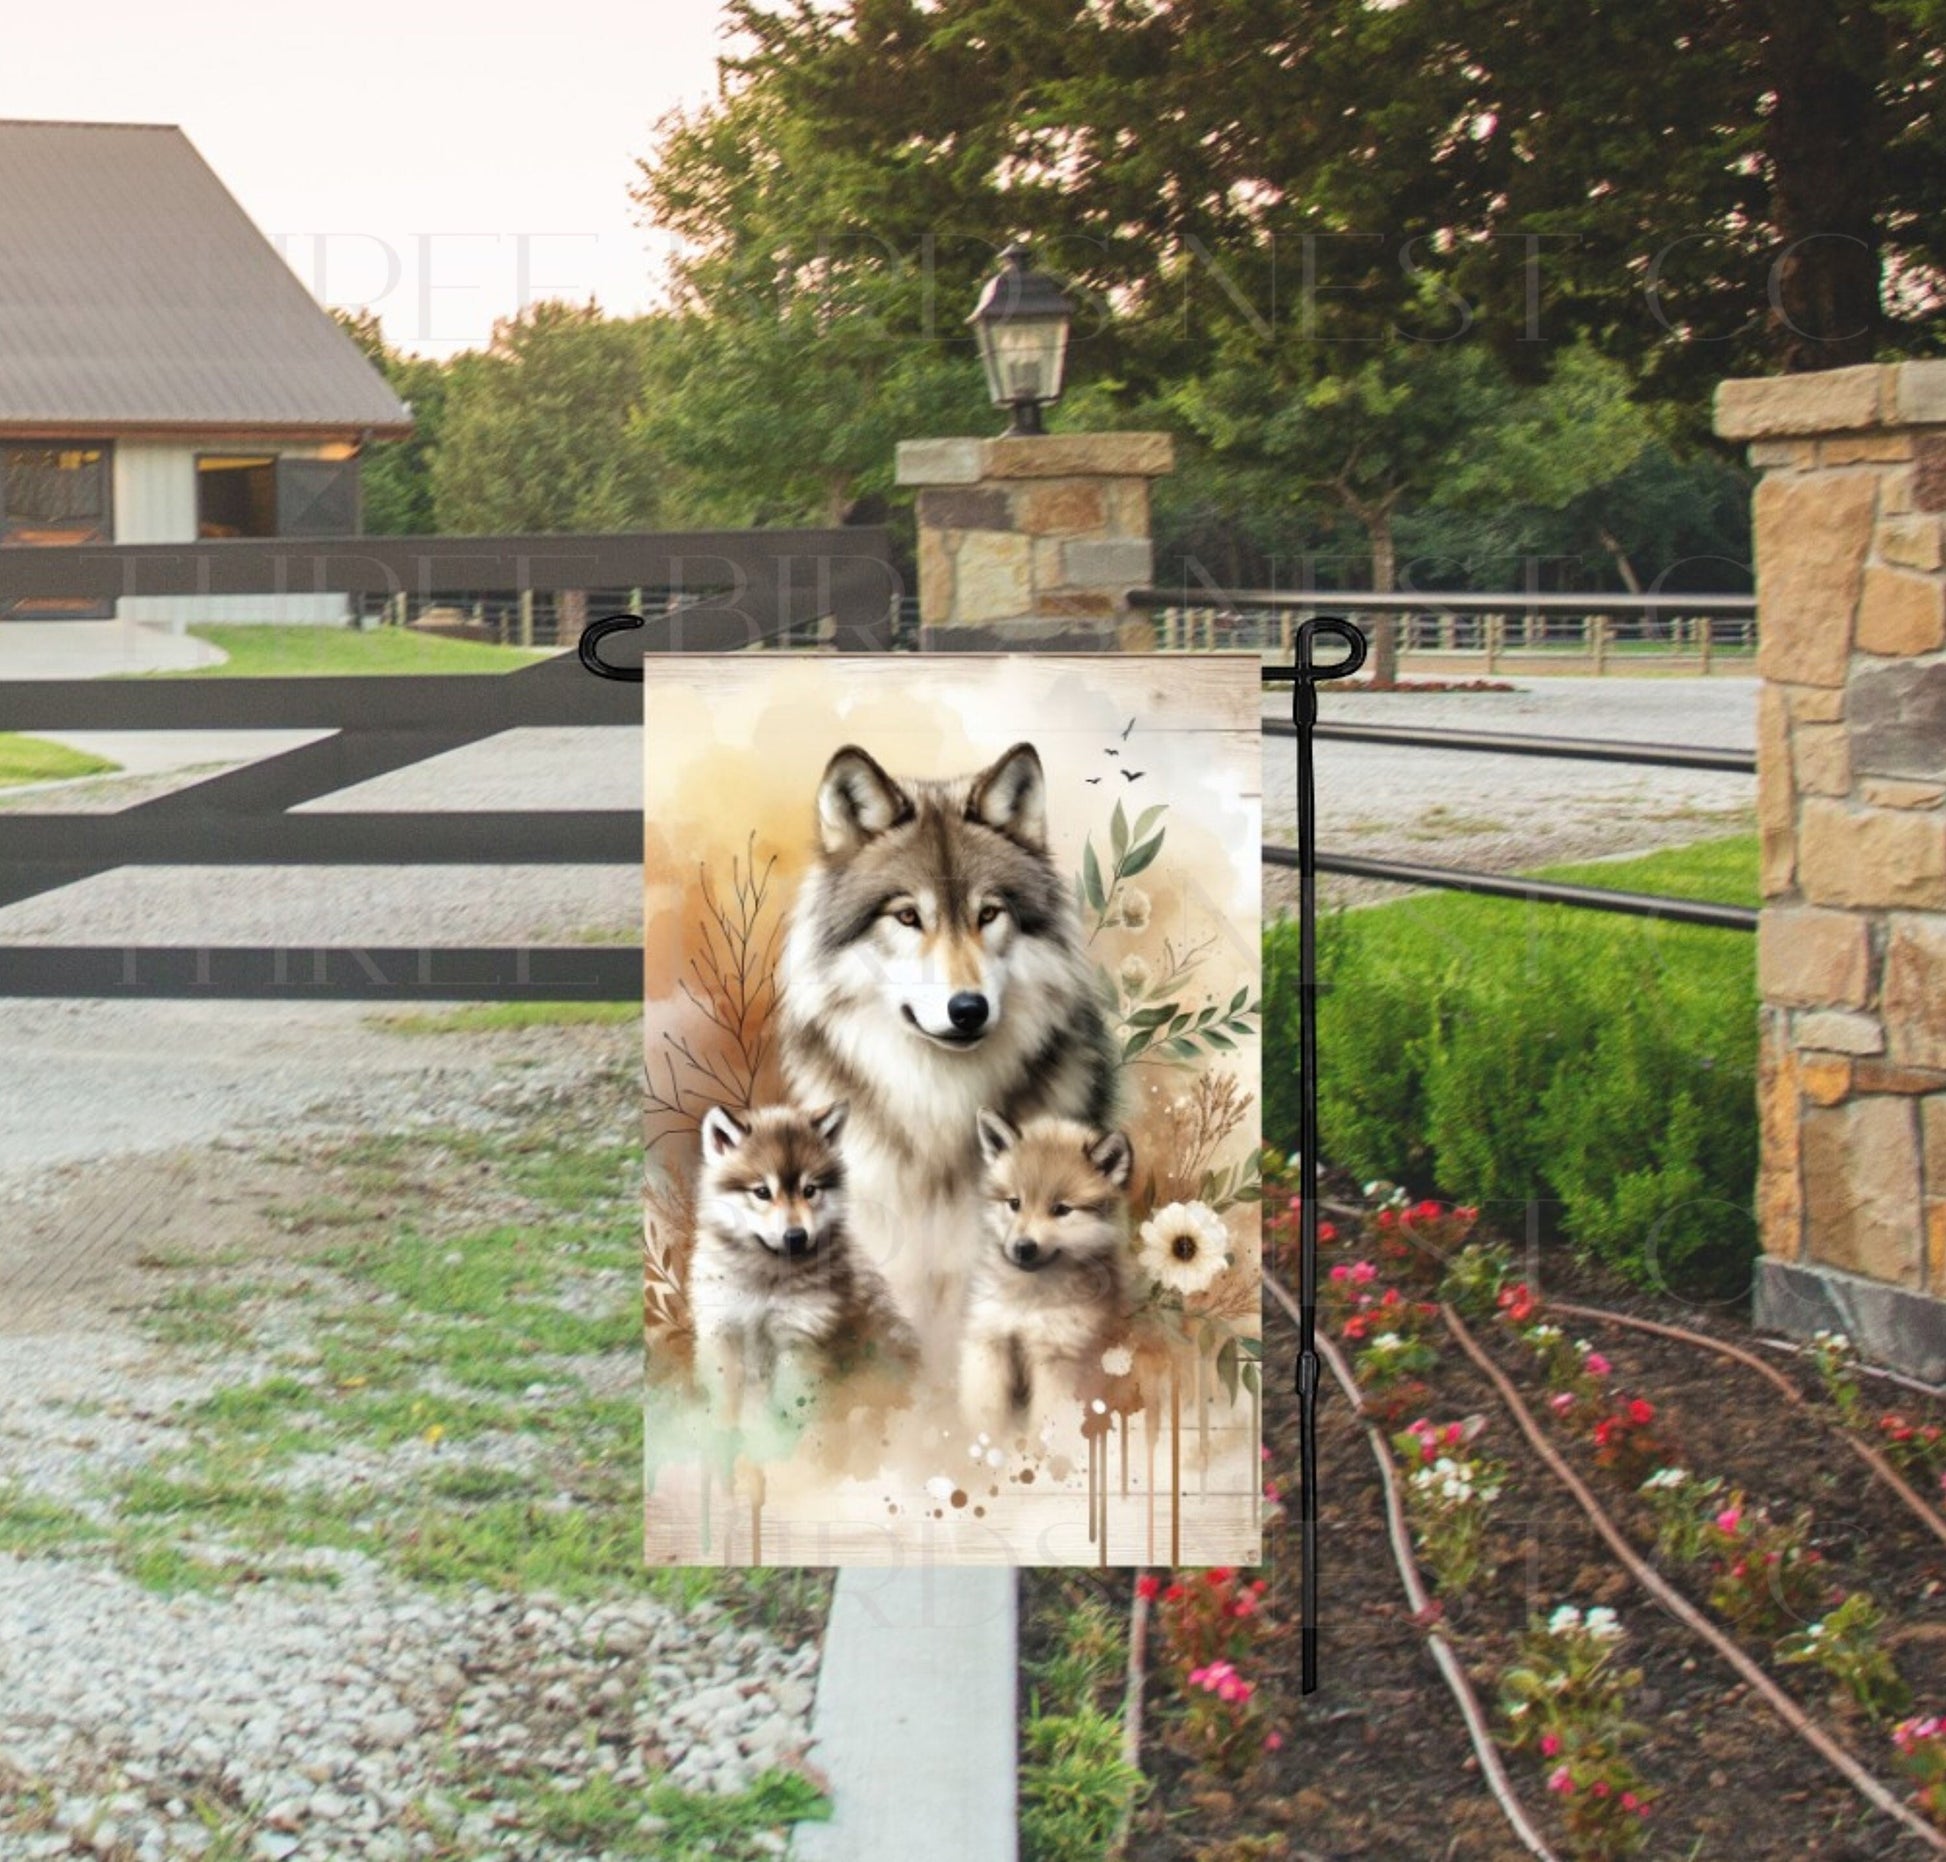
(761, 1191)
(1013, 1202)
(908, 915)
(1061, 1209)
(988, 913)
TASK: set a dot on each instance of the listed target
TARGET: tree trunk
(1385, 578)
(1824, 60)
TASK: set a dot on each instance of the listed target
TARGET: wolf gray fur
(782, 1302)
(934, 965)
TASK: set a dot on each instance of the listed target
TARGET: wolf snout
(967, 1010)
(1024, 1251)
(797, 1241)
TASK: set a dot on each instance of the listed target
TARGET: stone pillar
(1851, 802)
(1038, 539)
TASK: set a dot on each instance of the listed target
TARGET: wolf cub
(1050, 1290)
(781, 1299)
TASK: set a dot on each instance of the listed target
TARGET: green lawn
(1723, 872)
(316, 652)
(34, 759)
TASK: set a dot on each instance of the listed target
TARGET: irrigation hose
(1722, 1347)
(1679, 1606)
(1444, 1659)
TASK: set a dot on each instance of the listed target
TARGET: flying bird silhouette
(1133, 775)
(1126, 728)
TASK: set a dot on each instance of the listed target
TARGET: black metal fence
(724, 592)
(1294, 608)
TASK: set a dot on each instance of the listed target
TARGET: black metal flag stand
(1304, 676)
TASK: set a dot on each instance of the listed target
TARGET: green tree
(541, 432)
(395, 476)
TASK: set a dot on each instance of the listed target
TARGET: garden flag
(951, 1088)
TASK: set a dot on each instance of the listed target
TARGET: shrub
(1502, 1053)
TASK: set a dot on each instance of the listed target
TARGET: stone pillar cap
(1048, 455)
(1874, 395)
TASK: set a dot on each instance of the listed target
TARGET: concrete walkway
(915, 1719)
(97, 649)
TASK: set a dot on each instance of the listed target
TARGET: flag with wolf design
(951, 1105)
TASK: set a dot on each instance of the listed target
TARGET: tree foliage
(541, 431)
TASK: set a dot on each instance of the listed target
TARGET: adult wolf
(934, 966)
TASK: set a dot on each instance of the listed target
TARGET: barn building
(164, 375)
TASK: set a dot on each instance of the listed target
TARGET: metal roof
(136, 293)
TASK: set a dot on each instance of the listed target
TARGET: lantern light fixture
(1022, 322)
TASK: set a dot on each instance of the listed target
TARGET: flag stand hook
(1303, 677)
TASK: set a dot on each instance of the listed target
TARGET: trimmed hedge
(1599, 1069)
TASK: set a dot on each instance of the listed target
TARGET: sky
(438, 163)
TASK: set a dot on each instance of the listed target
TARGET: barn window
(54, 492)
(236, 496)
(264, 495)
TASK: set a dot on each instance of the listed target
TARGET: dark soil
(1377, 1763)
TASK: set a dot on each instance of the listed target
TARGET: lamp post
(1022, 322)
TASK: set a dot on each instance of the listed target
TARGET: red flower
(1148, 1586)
(1327, 1231)
(1641, 1413)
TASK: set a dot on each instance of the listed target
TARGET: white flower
(1134, 974)
(1135, 907)
(1543, 1335)
(1565, 1619)
(1118, 1360)
(1185, 1246)
(1387, 1341)
(1603, 1624)
(1664, 1478)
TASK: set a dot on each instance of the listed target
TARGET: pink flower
(1363, 1271)
(1341, 1272)
(1273, 1742)
(1561, 1779)
(1595, 1364)
(1272, 1493)
(1561, 1402)
(1601, 1788)
(1245, 1604)
(1550, 1745)
(1630, 1801)
(1729, 1519)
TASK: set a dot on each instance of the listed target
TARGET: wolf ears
(857, 800)
(1011, 797)
(722, 1132)
(997, 1137)
(1114, 1157)
(829, 1121)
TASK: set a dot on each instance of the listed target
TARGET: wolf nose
(797, 1241)
(967, 1011)
(1026, 1251)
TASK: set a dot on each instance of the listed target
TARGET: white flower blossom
(1185, 1246)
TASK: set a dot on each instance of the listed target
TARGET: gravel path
(321, 1705)
(1512, 813)
(309, 1700)
(333, 1717)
